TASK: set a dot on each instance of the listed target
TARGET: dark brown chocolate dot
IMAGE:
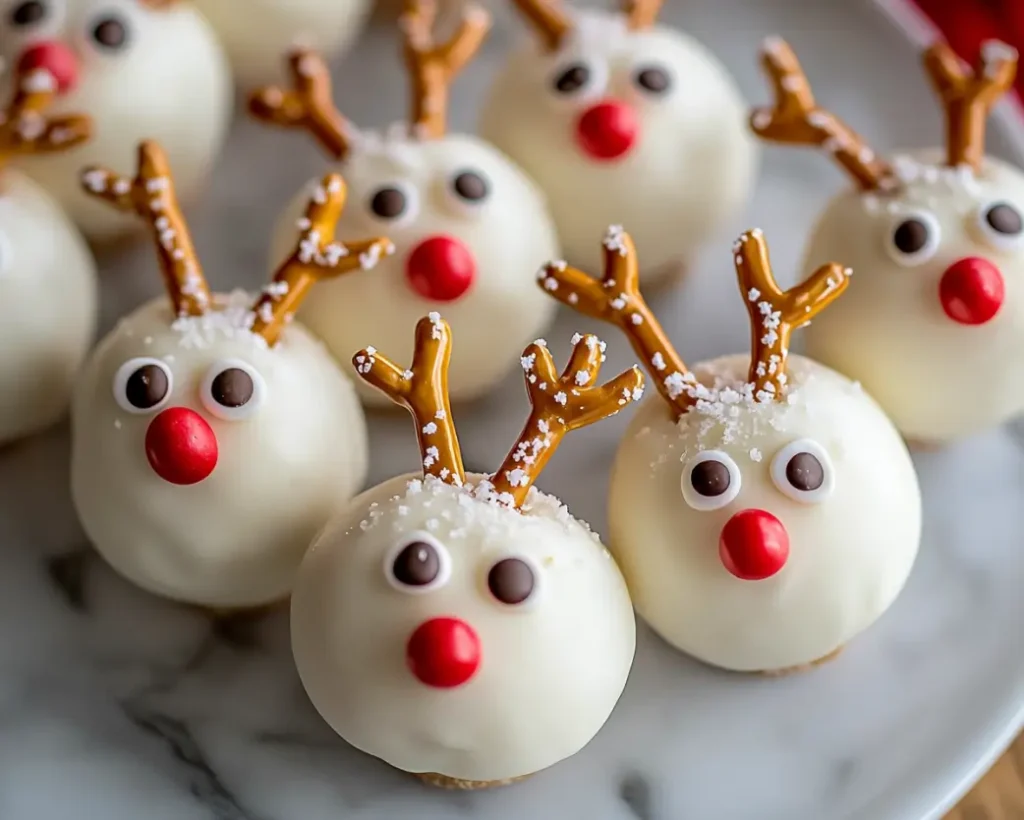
(511, 581)
(710, 478)
(388, 203)
(1005, 219)
(147, 387)
(654, 79)
(471, 186)
(416, 565)
(232, 387)
(911, 235)
(572, 79)
(111, 33)
(805, 472)
(27, 14)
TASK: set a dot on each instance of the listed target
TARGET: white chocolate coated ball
(257, 37)
(169, 81)
(690, 170)
(508, 233)
(850, 550)
(234, 539)
(937, 378)
(551, 669)
(48, 290)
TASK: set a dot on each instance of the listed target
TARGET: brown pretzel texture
(553, 24)
(24, 127)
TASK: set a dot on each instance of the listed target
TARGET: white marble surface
(116, 706)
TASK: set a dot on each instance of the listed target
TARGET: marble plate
(114, 705)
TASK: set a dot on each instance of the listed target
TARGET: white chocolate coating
(236, 538)
(255, 37)
(551, 669)
(889, 331)
(850, 554)
(171, 82)
(510, 235)
(48, 290)
(693, 166)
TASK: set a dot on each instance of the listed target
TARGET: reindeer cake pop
(47, 275)
(624, 120)
(767, 511)
(470, 224)
(937, 239)
(465, 628)
(225, 434)
(140, 69)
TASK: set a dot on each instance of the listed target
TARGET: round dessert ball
(426, 612)
(204, 461)
(141, 69)
(764, 536)
(620, 126)
(48, 288)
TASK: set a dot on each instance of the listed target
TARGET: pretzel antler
(308, 104)
(560, 404)
(432, 67)
(641, 14)
(968, 95)
(316, 256)
(616, 299)
(796, 119)
(151, 195)
(24, 128)
(775, 313)
(423, 390)
(548, 19)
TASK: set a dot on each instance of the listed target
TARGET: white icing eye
(653, 80)
(143, 385)
(468, 190)
(232, 390)
(578, 80)
(1002, 225)
(514, 580)
(711, 480)
(803, 471)
(396, 203)
(418, 564)
(913, 238)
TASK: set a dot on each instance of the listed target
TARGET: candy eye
(1002, 225)
(28, 14)
(110, 32)
(513, 581)
(711, 481)
(418, 564)
(803, 471)
(468, 191)
(653, 80)
(396, 203)
(579, 80)
(232, 390)
(143, 385)
(913, 238)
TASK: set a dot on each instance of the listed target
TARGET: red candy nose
(56, 58)
(608, 130)
(441, 269)
(972, 290)
(754, 545)
(181, 446)
(443, 652)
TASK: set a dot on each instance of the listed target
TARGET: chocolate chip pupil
(471, 186)
(232, 387)
(388, 203)
(110, 33)
(511, 581)
(805, 472)
(416, 565)
(910, 236)
(654, 79)
(572, 79)
(146, 387)
(710, 478)
(28, 13)
(1005, 219)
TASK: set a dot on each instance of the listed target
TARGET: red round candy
(56, 58)
(443, 652)
(972, 290)
(181, 446)
(441, 269)
(754, 545)
(607, 130)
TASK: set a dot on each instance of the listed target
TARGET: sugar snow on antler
(432, 66)
(968, 95)
(616, 299)
(796, 119)
(775, 313)
(423, 390)
(307, 105)
(317, 256)
(24, 127)
(151, 195)
(560, 403)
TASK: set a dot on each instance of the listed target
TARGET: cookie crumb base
(805, 667)
(442, 781)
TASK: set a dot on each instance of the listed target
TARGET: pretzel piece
(24, 128)
(423, 390)
(548, 19)
(641, 14)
